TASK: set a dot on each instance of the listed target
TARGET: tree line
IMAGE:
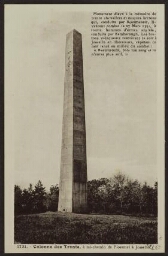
(117, 195)
(36, 200)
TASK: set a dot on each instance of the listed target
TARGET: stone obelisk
(73, 173)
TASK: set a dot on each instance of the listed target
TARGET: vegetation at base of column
(117, 195)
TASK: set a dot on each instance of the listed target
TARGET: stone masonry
(73, 173)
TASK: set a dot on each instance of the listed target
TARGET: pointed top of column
(74, 31)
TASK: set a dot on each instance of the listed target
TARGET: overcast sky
(120, 100)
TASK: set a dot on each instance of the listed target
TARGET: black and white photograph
(84, 128)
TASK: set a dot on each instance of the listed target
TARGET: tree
(18, 199)
(52, 198)
(155, 198)
(118, 183)
(39, 194)
(103, 194)
(134, 196)
(95, 195)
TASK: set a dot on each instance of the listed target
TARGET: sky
(120, 100)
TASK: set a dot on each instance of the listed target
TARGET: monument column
(73, 173)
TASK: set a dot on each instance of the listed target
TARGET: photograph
(84, 128)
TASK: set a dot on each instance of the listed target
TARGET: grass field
(71, 228)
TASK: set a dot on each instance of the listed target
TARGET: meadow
(71, 228)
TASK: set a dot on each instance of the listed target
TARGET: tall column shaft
(73, 173)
